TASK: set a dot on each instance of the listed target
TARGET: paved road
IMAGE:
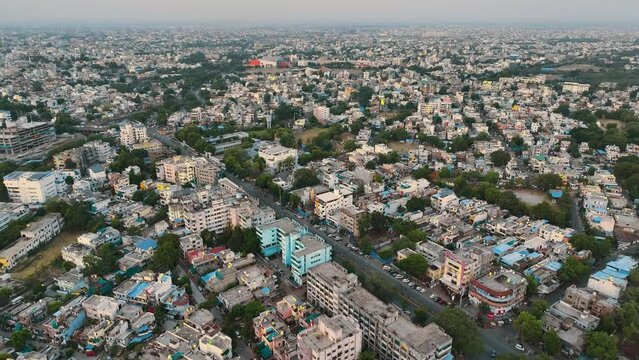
(492, 338)
(575, 217)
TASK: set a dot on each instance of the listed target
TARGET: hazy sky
(249, 12)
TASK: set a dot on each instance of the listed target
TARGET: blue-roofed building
(611, 281)
(444, 199)
(146, 245)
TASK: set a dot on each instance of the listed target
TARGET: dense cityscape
(351, 192)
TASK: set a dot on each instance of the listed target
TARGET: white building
(219, 346)
(133, 133)
(575, 88)
(329, 202)
(36, 233)
(276, 156)
(183, 169)
(335, 338)
(30, 187)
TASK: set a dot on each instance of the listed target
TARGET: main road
(494, 339)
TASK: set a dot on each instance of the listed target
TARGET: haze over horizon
(286, 12)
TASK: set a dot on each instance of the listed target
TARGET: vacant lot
(308, 134)
(400, 146)
(580, 67)
(605, 122)
(530, 197)
(40, 263)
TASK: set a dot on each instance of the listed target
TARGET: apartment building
(100, 307)
(19, 137)
(575, 88)
(390, 335)
(277, 156)
(325, 285)
(82, 157)
(322, 113)
(331, 201)
(247, 214)
(462, 268)
(349, 218)
(30, 187)
(101, 148)
(611, 281)
(10, 212)
(300, 251)
(443, 200)
(191, 242)
(36, 233)
(75, 254)
(585, 299)
(180, 170)
(502, 291)
(334, 338)
(133, 133)
(384, 330)
(199, 210)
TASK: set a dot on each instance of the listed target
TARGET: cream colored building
(36, 233)
(133, 133)
(335, 338)
(30, 187)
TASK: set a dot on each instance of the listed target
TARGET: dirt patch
(605, 122)
(40, 263)
(308, 134)
(530, 197)
(400, 146)
(580, 67)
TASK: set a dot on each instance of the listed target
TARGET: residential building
(183, 169)
(107, 235)
(191, 242)
(219, 346)
(585, 299)
(30, 187)
(574, 87)
(349, 217)
(133, 133)
(443, 200)
(100, 307)
(463, 267)
(325, 285)
(329, 202)
(334, 338)
(35, 234)
(75, 254)
(11, 211)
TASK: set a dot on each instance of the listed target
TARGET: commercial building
(20, 136)
(133, 133)
(502, 291)
(461, 268)
(335, 338)
(36, 233)
(30, 187)
(278, 157)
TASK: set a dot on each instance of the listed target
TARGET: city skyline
(286, 12)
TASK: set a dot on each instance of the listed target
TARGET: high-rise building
(20, 136)
(133, 133)
(30, 187)
(335, 338)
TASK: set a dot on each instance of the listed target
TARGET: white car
(398, 276)
(405, 280)
(422, 291)
(519, 347)
(432, 296)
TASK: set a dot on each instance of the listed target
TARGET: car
(385, 267)
(493, 353)
(411, 284)
(433, 296)
(360, 253)
(422, 291)
(405, 281)
(519, 347)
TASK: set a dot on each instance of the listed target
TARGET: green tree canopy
(465, 334)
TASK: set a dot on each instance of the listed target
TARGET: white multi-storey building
(36, 233)
(276, 156)
(329, 202)
(335, 338)
(30, 187)
(183, 169)
(133, 133)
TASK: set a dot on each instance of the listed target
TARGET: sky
(269, 12)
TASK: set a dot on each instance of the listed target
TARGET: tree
(415, 203)
(530, 328)
(538, 308)
(552, 342)
(599, 248)
(378, 223)
(414, 264)
(294, 201)
(465, 334)
(546, 182)
(104, 262)
(367, 355)
(500, 158)
(421, 316)
(69, 180)
(304, 177)
(168, 253)
(5, 295)
(571, 270)
(600, 345)
(19, 338)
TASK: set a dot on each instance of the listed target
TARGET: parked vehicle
(519, 347)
